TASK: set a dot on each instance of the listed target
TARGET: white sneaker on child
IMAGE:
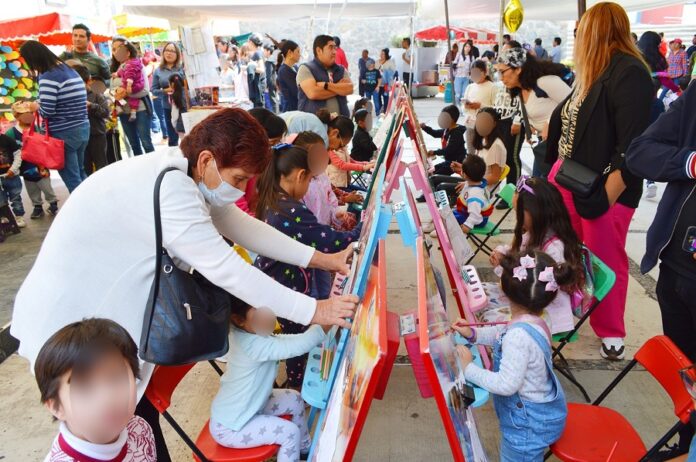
(651, 191)
(428, 228)
(20, 222)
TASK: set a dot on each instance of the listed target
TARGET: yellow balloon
(513, 15)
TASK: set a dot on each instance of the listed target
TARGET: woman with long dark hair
(63, 104)
(462, 71)
(171, 65)
(387, 67)
(287, 74)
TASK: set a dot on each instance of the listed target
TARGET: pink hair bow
(548, 277)
(528, 262)
(520, 273)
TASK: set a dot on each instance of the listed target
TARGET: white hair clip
(548, 277)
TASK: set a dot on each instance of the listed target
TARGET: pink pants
(606, 238)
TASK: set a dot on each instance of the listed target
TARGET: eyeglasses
(523, 186)
(503, 71)
(688, 375)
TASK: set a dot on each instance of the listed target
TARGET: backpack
(581, 300)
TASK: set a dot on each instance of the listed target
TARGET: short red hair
(234, 137)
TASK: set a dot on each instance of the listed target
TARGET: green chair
(480, 236)
(603, 280)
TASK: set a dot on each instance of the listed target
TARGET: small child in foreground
(527, 395)
(473, 204)
(86, 374)
(246, 410)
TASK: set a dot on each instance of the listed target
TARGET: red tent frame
(49, 29)
(439, 34)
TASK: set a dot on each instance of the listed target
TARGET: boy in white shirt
(473, 204)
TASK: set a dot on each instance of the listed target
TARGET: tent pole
(582, 7)
(502, 24)
(449, 40)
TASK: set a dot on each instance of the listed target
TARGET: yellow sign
(513, 15)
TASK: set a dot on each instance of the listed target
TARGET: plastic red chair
(159, 391)
(596, 433)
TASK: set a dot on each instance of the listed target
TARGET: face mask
(444, 120)
(224, 194)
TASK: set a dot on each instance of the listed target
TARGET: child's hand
(466, 229)
(496, 257)
(456, 167)
(352, 198)
(465, 355)
(368, 166)
(422, 125)
(431, 154)
(461, 327)
(458, 187)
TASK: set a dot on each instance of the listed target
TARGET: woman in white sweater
(98, 258)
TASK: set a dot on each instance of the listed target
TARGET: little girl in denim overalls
(528, 398)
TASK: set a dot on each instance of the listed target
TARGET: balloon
(28, 83)
(11, 83)
(9, 116)
(3, 91)
(513, 15)
(14, 65)
(21, 93)
(5, 49)
(12, 55)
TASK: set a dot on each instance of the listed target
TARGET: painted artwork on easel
(442, 363)
(358, 372)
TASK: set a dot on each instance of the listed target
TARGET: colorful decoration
(15, 83)
(513, 15)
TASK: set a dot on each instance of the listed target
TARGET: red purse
(41, 149)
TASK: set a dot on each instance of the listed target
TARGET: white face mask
(224, 194)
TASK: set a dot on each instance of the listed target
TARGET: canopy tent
(439, 33)
(553, 10)
(49, 29)
(131, 25)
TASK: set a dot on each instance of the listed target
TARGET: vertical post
(449, 40)
(582, 7)
(502, 26)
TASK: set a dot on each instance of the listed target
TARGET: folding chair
(359, 179)
(595, 433)
(159, 391)
(604, 279)
(490, 229)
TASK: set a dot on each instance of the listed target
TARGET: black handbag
(187, 317)
(578, 179)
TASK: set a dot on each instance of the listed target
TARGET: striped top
(63, 98)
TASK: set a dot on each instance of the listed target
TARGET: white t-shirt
(495, 155)
(463, 65)
(483, 93)
(539, 110)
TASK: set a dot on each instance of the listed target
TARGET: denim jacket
(665, 152)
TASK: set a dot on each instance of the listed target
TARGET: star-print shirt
(294, 219)
(135, 444)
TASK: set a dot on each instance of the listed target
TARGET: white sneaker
(20, 222)
(612, 349)
(433, 234)
(651, 191)
(428, 228)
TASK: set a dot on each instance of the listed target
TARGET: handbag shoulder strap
(158, 217)
(525, 117)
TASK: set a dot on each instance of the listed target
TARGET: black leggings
(147, 411)
(513, 146)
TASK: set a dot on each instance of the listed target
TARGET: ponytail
(177, 84)
(284, 159)
(341, 123)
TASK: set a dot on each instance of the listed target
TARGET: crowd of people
(276, 181)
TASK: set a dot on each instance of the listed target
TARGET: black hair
(490, 54)
(362, 103)
(306, 139)
(482, 66)
(549, 216)
(514, 44)
(407, 40)
(283, 161)
(386, 52)
(81, 26)
(453, 111)
(343, 124)
(76, 348)
(649, 46)
(287, 47)
(474, 167)
(506, 37)
(38, 57)
(494, 135)
(360, 115)
(7, 144)
(471, 49)
(274, 125)
(177, 63)
(534, 68)
(337, 40)
(530, 292)
(269, 46)
(176, 82)
(82, 71)
(239, 309)
(557, 40)
(537, 42)
(320, 41)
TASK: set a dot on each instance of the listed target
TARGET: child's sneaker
(37, 213)
(612, 349)
(53, 208)
(20, 222)
(133, 115)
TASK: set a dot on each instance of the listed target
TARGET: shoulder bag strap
(158, 218)
(527, 127)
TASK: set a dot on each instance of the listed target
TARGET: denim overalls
(528, 428)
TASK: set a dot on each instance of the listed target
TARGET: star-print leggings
(294, 367)
(267, 428)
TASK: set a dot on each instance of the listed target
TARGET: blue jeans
(158, 117)
(460, 84)
(374, 96)
(171, 130)
(528, 428)
(384, 99)
(138, 132)
(12, 190)
(76, 140)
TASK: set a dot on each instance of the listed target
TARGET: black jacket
(363, 146)
(454, 150)
(615, 111)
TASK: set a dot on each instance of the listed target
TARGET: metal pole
(502, 25)
(449, 40)
(582, 7)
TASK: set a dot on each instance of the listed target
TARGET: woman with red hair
(98, 258)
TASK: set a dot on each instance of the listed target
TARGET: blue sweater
(252, 366)
(160, 81)
(287, 81)
(666, 152)
(63, 98)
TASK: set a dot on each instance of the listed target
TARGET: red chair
(159, 391)
(596, 433)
